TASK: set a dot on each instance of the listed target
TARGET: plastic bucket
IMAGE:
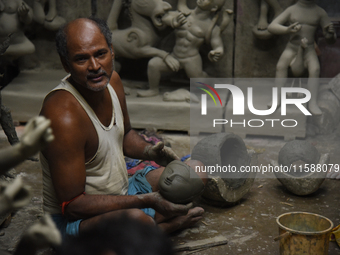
(303, 233)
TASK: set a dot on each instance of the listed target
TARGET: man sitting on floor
(84, 173)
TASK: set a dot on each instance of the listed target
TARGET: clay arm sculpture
(226, 18)
(329, 33)
(25, 13)
(149, 52)
(36, 135)
(327, 27)
(216, 43)
(183, 7)
(276, 26)
(174, 19)
(13, 196)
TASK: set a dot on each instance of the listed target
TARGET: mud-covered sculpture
(303, 19)
(179, 183)
(306, 178)
(13, 196)
(261, 28)
(40, 235)
(14, 15)
(225, 187)
(49, 20)
(139, 40)
(37, 134)
(199, 28)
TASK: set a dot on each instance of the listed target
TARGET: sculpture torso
(309, 17)
(9, 20)
(191, 36)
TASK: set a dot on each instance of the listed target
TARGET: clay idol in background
(50, 19)
(303, 19)
(14, 15)
(180, 184)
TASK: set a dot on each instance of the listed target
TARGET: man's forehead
(81, 26)
(84, 32)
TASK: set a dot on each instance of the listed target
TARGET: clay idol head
(179, 183)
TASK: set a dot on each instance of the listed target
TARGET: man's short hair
(61, 37)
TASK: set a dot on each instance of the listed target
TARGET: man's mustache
(95, 74)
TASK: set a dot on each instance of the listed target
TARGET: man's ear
(65, 64)
(112, 51)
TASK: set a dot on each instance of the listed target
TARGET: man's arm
(66, 157)
(134, 145)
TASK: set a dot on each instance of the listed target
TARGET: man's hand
(37, 134)
(159, 153)
(172, 63)
(166, 208)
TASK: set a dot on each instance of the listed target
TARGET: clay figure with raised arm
(303, 19)
(14, 15)
(84, 172)
(148, 18)
(199, 28)
(37, 134)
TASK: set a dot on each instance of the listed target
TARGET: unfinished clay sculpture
(199, 28)
(36, 135)
(141, 38)
(261, 28)
(13, 196)
(303, 19)
(42, 234)
(180, 95)
(179, 183)
(302, 159)
(14, 15)
(49, 20)
(228, 186)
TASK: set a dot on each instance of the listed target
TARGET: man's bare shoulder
(63, 109)
(117, 85)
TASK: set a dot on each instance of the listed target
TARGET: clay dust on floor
(249, 226)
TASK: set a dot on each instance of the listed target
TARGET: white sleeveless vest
(106, 172)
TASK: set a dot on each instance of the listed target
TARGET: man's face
(90, 58)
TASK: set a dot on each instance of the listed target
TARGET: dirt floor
(249, 226)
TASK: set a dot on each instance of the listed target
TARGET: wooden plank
(200, 244)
